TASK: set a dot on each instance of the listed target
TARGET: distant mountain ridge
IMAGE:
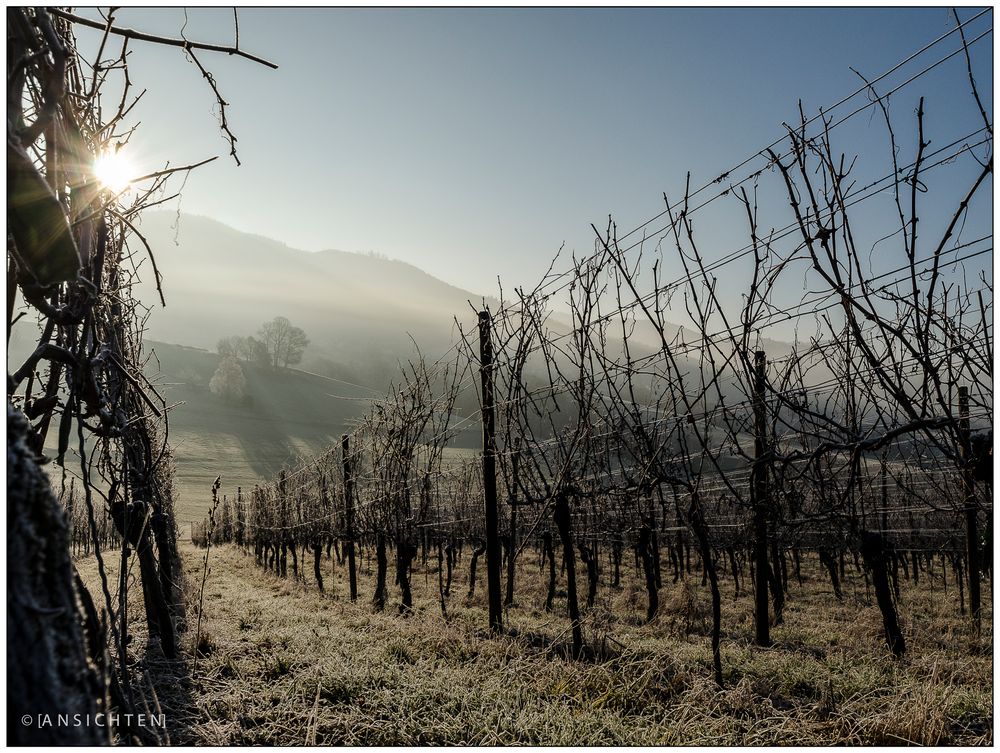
(363, 313)
(357, 309)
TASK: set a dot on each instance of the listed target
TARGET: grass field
(280, 663)
(288, 416)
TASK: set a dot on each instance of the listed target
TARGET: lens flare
(114, 171)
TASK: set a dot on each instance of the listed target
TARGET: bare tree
(283, 342)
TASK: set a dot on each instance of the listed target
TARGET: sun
(114, 171)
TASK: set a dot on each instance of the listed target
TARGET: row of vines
(821, 388)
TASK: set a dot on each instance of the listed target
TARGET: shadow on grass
(164, 686)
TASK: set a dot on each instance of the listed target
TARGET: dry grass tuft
(685, 612)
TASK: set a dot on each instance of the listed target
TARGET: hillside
(359, 311)
(364, 314)
(287, 416)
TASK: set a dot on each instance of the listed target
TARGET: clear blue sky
(473, 143)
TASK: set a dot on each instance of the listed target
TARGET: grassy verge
(279, 663)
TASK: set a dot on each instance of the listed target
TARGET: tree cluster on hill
(248, 349)
(278, 343)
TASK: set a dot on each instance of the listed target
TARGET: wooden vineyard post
(969, 503)
(762, 628)
(489, 474)
(345, 446)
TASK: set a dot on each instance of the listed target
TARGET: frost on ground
(278, 663)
